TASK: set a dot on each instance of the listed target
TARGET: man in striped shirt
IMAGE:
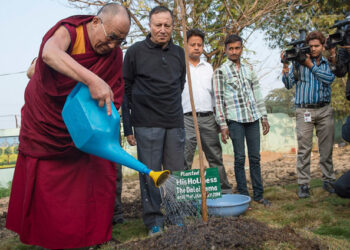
(313, 94)
(239, 107)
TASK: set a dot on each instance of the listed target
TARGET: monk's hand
(102, 93)
(224, 135)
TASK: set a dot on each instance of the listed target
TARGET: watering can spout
(96, 133)
(159, 177)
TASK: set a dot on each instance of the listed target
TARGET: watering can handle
(74, 91)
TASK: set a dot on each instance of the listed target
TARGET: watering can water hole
(96, 133)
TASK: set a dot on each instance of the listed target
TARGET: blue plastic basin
(228, 205)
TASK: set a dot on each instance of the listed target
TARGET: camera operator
(341, 64)
(313, 96)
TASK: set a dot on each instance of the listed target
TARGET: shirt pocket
(233, 84)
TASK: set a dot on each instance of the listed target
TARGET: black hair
(316, 35)
(232, 39)
(195, 32)
(160, 9)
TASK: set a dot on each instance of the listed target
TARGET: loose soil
(223, 233)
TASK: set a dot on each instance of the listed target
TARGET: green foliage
(280, 20)
(289, 207)
(339, 231)
(281, 101)
(8, 151)
(311, 15)
(130, 230)
(1, 151)
(5, 191)
(217, 18)
(339, 102)
(15, 244)
(326, 215)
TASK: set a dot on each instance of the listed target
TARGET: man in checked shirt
(313, 79)
(239, 107)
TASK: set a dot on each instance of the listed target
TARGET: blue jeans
(249, 132)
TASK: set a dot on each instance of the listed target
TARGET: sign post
(188, 184)
(199, 143)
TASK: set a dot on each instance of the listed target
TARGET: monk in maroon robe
(62, 197)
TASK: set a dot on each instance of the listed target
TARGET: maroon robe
(62, 197)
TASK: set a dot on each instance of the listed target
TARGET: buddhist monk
(62, 197)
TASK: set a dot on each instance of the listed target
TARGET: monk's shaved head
(109, 28)
(112, 9)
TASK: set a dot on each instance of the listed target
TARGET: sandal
(264, 202)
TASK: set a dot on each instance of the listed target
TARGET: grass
(5, 191)
(133, 229)
(322, 216)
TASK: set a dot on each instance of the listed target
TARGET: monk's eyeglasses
(112, 37)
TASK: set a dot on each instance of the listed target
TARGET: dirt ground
(276, 168)
(223, 233)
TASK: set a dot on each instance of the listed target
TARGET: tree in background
(216, 18)
(339, 102)
(8, 151)
(1, 151)
(279, 19)
(281, 100)
(310, 15)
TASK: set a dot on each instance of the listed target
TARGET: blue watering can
(96, 133)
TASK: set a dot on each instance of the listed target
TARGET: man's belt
(312, 106)
(199, 114)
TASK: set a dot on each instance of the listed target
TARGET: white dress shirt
(201, 87)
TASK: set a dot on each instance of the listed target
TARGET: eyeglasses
(112, 37)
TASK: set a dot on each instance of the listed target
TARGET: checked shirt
(237, 94)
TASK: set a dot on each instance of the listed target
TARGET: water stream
(177, 212)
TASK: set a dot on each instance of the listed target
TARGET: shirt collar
(232, 64)
(150, 44)
(323, 60)
(201, 62)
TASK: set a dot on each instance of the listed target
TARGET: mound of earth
(223, 233)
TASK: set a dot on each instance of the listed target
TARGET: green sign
(188, 184)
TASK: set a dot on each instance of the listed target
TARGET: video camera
(299, 50)
(342, 35)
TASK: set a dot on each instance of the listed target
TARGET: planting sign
(188, 184)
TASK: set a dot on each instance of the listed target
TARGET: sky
(26, 22)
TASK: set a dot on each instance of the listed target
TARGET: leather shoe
(303, 191)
